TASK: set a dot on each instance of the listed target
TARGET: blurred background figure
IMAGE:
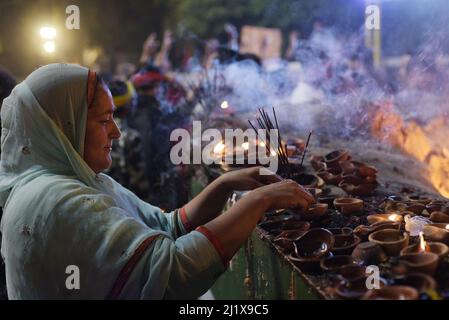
(233, 36)
(162, 59)
(149, 50)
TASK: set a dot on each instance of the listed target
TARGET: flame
(414, 140)
(224, 105)
(423, 247)
(219, 148)
(394, 217)
(245, 145)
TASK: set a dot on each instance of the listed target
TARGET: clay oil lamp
(339, 231)
(285, 244)
(275, 227)
(310, 265)
(357, 168)
(334, 263)
(355, 289)
(369, 253)
(436, 205)
(415, 207)
(424, 262)
(384, 217)
(392, 241)
(296, 233)
(352, 272)
(276, 222)
(348, 206)
(392, 293)
(310, 248)
(363, 231)
(291, 225)
(394, 203)
(331, 175)
(334, 157)
(381, 225)
(315, 243)
(420, 281)
(437, 232)
(438, 216)
(318, 163)
(329, 200)
(423, 200)
(440, 249)
(357, 188)
(308, 180)
(286, 238)
(315, 211)
(344, 244)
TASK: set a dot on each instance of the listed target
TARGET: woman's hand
(286, 194)
(248, 179)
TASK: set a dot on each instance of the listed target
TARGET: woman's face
(101, 129)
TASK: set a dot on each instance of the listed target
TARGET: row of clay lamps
(436, 211)
(337, 168)
(315, 251)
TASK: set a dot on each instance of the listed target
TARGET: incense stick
(305, 149)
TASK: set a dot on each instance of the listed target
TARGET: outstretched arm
(210, 202)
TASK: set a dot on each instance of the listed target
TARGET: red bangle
(185, 221)
(216, 243)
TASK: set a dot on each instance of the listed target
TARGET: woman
(61, 213)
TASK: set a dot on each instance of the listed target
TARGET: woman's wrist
(224, 184)
(259, 198)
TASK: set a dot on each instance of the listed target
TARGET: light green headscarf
(58, 212)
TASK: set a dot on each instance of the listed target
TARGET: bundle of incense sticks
(266, 123)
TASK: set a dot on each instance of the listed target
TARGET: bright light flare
(49, 46)
(47, 33)
(224, 105)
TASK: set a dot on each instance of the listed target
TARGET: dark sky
(122, 25)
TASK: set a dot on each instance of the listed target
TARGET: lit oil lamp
(438, 232)
(219, 148)
(423, 246)
(438, 248)
(224, 105)
(384, 217)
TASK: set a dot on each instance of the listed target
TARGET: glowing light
(447, 227)
(49, 46)
(273, 153)
(262, 144)
(219, 148)
(422, 243)
(224, 105)
(245, 145)
(47, 32)
(394, 217)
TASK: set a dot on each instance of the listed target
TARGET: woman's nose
(115, 134)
